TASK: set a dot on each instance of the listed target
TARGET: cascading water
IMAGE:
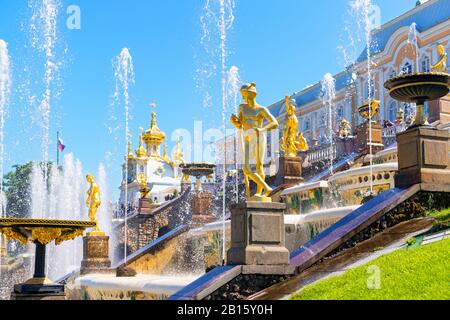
(124, 76)
(5, 89)
(44, 38)
(225, 24)
(413, 40)
(216, 21)
(233, 86)
(65, 195)
(328, 97)
(104, 213)
(361, 9)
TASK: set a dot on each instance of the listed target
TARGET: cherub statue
(93, 201)
(292, 141)
(254, 120)
(441, 66)
(345, 129)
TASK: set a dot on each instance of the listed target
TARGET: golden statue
(345, 129)
(251, 120)
(93, 201)
(292, 141)
(441, 66)
(144, 189)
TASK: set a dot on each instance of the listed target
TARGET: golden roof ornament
(166, 154)
(154, 137)
(141, 152)
(130, 155)
(178, 156)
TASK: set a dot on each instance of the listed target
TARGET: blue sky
(281, 45)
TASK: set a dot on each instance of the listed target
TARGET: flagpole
(57, 149)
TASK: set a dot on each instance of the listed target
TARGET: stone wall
(415, 207)
(245, 286)
(142, 229)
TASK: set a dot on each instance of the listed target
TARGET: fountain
(124, 76)
(41, 232)
(201, 200)
(423, 149)
(5, 87)
(413, 40)
(328, 97)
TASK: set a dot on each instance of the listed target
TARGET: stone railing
(390, 134)
(324, 154)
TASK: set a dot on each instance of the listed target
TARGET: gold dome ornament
(154, 137)
(130, 155)
(141, 152)
(177, 155)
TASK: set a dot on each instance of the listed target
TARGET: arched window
(307, 124)
(426, 64)
(392, 111)
(323, 119)
(407, 68)
(392, 74)
(340, 113)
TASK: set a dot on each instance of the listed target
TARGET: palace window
(407, 68)
(308, 124)
(392, 74)
(340, 113)
(426, 64)
(392, 111)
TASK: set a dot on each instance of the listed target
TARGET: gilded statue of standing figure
(441, 66)
(93, 201)
(292, 141)
(254, 121)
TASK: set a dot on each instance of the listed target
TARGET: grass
(442, 217)
(422, 273)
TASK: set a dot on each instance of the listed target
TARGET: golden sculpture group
(292, 141)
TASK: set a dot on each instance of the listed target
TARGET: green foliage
(411, 241)
(17, 190)
(420, 273)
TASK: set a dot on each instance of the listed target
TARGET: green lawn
(422, 273)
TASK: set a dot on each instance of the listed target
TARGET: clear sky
(281, 45)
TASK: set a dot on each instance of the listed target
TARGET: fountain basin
(43, 231)
(198, 170)
(418, 87)
(101, 287)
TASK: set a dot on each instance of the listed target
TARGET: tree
(16, 185)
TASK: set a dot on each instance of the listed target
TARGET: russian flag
(61, 145)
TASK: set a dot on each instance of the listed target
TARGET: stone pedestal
(146, 206)
(40, 297)
(346, 146)
(423, 158)
(258, 235)
(202, 208)
(96, 255)
(363, 138)
(289, 171)
(439, 110)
